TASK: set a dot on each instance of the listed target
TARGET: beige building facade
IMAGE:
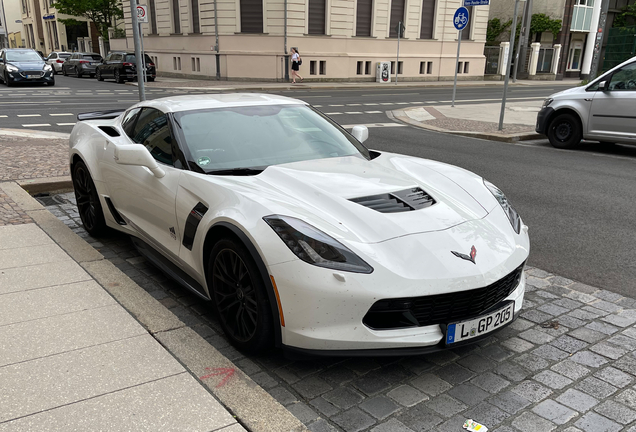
(339, 40)
(42, 31)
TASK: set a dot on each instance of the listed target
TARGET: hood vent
(401, 201)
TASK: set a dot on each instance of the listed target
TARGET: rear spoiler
(100, 115)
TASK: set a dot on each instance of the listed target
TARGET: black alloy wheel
(77, 72)
(118, 79)
(7, 80)
(64, 71)
(239, 296)
(98, 74)
(564, 131)
(88, 204)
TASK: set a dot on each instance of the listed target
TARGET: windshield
(130, 58)
(260, 136)
(92, 57)
(64, 55)
(22, 56)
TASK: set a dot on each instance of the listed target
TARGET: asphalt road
(579, 204)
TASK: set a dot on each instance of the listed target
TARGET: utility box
(383, 72)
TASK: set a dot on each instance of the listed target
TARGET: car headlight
(47, 67)
(314, 246)
(547, 102)
(11, 68)
(513, 216)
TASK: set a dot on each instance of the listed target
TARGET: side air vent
(110, 131)
(401, 201)
(113, 211)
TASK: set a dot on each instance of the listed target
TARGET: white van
(604, 110)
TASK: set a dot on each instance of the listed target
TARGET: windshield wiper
(237, 171)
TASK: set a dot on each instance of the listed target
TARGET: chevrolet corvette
(298, 235)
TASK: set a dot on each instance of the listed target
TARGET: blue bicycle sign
(460, 20)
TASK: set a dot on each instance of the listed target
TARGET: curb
(509, 138)
(30, 133)
(253, 407)
(51, 184)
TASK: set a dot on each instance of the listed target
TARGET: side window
(128, 122)
(107, 57)
(152, 130)
(53, 56)
(624, 79)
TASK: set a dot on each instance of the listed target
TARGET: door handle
(588, 99)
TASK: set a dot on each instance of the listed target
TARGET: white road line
(336, 105)
(354, 104)
(334, 113)
(371, 104)
(65, 124)
(370, 125)
(127, 100)
(373, 112)
(3, 116)
(18, 94)
(402, 103)
(64, 114)
(28, 115)
(353, 112)
(387, 103)
(392, 94)
(36, 125)
(317, 106)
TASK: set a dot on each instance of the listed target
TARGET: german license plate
(464, 330)
(33, 76)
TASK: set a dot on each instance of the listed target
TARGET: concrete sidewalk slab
(15, 236)
(40, 276)
(145, 408)
(64, 333)
(32, 255)
(45, 302)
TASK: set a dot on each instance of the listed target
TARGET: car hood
(568, 92)
(28, 65)
(320, 192)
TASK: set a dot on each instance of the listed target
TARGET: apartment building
(340, 40)
(43, 32)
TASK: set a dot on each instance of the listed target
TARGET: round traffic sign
(460, 19)
(141, 11)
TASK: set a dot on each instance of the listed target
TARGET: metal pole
(138, 56)
(521, 38)
(286, 55)
(526, 35)
(143, 56)
(6, 28)
(599, 40)
(459, 44)
(512, 42)
(216, 43)
(397, 60)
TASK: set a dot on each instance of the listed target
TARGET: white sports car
(299, 235)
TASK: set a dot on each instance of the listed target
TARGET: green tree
(495, 29)
(101, 12)
(541, 23)
(627, 16)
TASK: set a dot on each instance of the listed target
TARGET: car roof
(220, 100)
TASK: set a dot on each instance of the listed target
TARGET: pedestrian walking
(295, 66)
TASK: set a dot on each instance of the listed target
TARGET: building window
(574, 57)
(251, 16)
(466, 67)
(360, 68)
(397, 15)
(364, 14)
(176, 63)
(175, 16)
(399, 68)
(195, 16)
(367, 68)
(153, 17)
(323, 67)
(55, 39)
(155, 61)
(317, 9)
(429, 68)
(468, 28)
(312, 67)
(428, 19)
(196, 64)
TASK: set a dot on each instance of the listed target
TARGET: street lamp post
(512, 44)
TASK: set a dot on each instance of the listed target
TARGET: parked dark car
(81, 63)
(122, 66)
(24, 66)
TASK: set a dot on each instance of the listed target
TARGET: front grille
(401, 201)
(441, 308)
(38, 73)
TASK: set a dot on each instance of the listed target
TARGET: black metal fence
(621, 46)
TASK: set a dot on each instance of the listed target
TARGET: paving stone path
(567, 363)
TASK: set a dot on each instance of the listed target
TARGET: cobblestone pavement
(567, 363)
(27, 158)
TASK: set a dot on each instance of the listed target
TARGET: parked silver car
(604, 110)
(55, 59)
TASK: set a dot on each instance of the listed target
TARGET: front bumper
(21, 77)
(542, 120)
(324, 309)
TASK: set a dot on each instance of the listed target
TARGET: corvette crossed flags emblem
(471, 257)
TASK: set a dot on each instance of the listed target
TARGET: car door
(613, 111)
(2, 63)
(103, 67)
(144, 200)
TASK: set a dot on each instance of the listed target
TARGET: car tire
(88, 205)
(98, 75)
(78, 73)
(7, 80)
(150, 79)
(239, 296)
(51, 83)
(118, 78)
(64, 71)
(565, 131)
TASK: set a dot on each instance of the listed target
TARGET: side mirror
(138, 155)
(602, 86)
(361, 133)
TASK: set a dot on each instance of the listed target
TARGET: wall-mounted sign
(476, 2)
